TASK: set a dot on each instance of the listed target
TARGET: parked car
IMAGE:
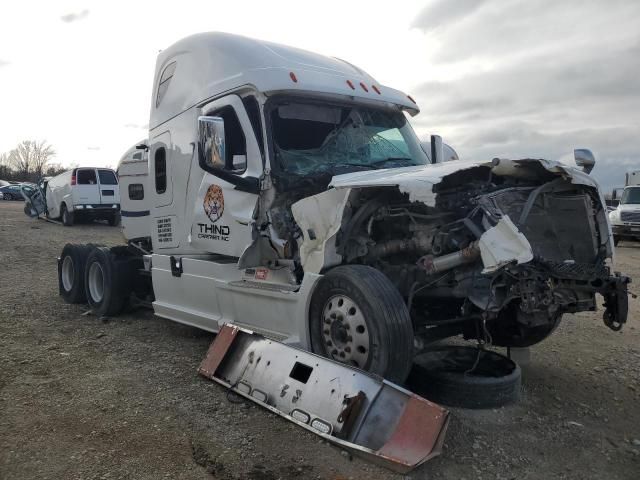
(12, 192)
(91, 193)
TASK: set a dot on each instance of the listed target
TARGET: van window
(161, 170)
(107, 177)
(136, 191)
(163, 84)
(235, 147)
(86, 177)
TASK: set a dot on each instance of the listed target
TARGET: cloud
(93, 148)
(557, 76)
(4, 63)
(73, 17)
(442, 13)
(136, 125)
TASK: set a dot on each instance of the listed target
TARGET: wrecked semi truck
(287, 193)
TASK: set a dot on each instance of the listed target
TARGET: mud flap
(355, 410)
(616, 302)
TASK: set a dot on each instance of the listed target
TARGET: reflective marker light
(375, 89)
(293, 77)
(364, 87)
(350, 83)
(300, 416)
(321, 426)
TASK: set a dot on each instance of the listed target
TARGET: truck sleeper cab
(289, 194)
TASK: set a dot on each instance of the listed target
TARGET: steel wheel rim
(96, 282)
(345, 332)
(68, 274)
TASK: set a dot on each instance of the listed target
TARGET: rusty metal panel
(353, 409)
(420, 429)
(217, 351)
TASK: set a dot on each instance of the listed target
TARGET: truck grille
(630, 217)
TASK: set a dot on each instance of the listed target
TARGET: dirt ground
(85, 399)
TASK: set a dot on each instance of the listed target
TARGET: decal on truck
(214, 203)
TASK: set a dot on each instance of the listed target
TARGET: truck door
(109, 192)
(85, 191)
(228, 192)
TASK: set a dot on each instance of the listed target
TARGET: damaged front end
(497, 251)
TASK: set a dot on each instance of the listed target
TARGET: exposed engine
(440, 256)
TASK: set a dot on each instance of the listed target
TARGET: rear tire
(358, 317)
(7, 196)
(106, 282)
(616, 240)
(71, 272)
(66, 215)
(114, 220)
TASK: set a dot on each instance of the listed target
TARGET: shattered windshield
(630, 196)
(310, 138)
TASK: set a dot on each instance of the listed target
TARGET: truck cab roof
(206, 65)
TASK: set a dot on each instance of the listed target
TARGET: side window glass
(136, 191)
(165, 79)
(160, 162)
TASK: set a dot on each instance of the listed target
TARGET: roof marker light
(375, 89)
(411, 98)
(350, 83)
(364, 87)
(293, 77)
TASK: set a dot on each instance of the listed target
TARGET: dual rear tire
(95, 275)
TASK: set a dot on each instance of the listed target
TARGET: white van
(91, 193)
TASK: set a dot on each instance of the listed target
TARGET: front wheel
(67, 216)
(358, 317)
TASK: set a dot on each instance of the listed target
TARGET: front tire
(358, 317)
(67, 216)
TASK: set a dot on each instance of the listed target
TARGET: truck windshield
(630, 196)
(310, 137)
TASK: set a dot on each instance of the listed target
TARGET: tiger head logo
(213, 203)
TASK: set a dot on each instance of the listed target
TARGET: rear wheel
(67, 216)
(358, 317)
(106, 282)
(616, 240)
(7, 196)
(71, 272)
(114, 219)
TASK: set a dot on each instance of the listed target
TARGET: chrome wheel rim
(68, 275)
(345, 332)
(96, 282)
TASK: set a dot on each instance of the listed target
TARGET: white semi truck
(286, 192)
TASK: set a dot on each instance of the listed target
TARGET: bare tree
(30, 158)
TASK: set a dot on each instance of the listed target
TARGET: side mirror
(211, 142)
(585, 159)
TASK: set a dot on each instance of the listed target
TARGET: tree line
(29, 161)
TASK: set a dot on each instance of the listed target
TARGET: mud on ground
(86, 399)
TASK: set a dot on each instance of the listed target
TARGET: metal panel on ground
(353, 409)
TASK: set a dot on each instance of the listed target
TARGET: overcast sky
(510, 78)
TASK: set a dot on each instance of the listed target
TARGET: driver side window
(235, 160)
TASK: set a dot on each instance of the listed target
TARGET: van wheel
(616, 240)
(67, 216)
(114, 219)
(358, 317)
(105, 283)
(71, 272)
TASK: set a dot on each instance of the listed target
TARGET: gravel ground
(84, 399)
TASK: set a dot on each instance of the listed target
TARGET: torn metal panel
(353, 409)
(320, 217)
(504, 244)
